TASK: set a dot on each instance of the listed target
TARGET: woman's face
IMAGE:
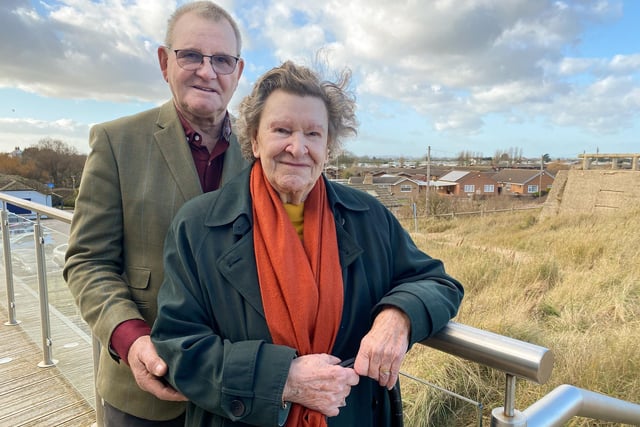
(291, 143)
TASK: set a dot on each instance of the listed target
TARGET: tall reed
(568, 283)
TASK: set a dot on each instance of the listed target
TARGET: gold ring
(384, 372)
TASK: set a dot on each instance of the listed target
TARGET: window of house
(532, 189)
(406, 189)
(489, 188)
(469, 188)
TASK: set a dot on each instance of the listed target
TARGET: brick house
(381, 193)
(401, 186)
(523, 182)
(467, 183)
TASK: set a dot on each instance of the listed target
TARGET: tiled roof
(18, 183)
(387, 179)
(382, 194)
(516, 176)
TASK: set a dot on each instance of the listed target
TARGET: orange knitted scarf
(300, 283)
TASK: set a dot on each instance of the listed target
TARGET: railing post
(47, 343)
(8, 269)
(510, 396)
(508, 416)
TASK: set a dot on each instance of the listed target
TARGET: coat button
(237, 408)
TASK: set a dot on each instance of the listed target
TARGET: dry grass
(571, 284)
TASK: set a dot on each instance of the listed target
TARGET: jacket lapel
(175, 150)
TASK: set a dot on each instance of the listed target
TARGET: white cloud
(452, 61)
(484, 56)
(84, 49)
(626, 64)
(24, 133)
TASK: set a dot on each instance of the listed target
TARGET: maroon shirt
(209, 167)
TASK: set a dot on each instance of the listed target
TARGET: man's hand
(383, 349)
(317, 382)
(148, 369)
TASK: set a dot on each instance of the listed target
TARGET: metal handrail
(513, 357)
(534, 363)
(40, 209)
(47, 343)
(567, 401)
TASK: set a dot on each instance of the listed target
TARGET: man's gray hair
(205, 9)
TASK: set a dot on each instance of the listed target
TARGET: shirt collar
(194, 137)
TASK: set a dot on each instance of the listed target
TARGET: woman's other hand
(383, 349)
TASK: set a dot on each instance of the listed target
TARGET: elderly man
(140, 171)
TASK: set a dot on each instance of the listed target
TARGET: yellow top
(296, 215)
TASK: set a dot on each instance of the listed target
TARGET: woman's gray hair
(204, 9)
(299, 80)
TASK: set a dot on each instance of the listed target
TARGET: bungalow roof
(454, 176)
(516, 176)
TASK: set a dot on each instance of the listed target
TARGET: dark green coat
(211, 328)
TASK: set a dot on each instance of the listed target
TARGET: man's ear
(163, 59)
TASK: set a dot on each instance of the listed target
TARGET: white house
(26, 189)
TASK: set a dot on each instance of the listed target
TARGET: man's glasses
(191, 60)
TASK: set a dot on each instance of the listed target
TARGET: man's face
(201, 95)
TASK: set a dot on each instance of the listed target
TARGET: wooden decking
(60, 395)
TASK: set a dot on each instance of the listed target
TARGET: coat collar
(233, 206)
(342, 195)
(233, 202)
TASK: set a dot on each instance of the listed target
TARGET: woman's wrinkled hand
(318, 382)
(384, 347)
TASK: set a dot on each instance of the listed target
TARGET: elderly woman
(280, 276)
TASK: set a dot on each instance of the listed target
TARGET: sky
(446, 76)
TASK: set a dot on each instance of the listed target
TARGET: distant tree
(464, 158)
(546, 158)
(11, 165)
(345, 159)
(519, 155)
(60, 163)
